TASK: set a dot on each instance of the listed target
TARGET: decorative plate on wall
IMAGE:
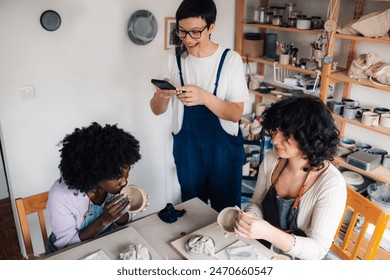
(142, 27)
(50, 20)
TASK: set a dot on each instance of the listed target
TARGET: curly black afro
(95, 153)
(310, 122)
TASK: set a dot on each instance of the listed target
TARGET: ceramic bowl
(226, 219)
(137, 196)
(347, 143)
(379, 193)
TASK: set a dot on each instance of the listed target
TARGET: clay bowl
(226, 219)
(137, 196)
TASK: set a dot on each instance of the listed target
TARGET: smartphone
(162, 84)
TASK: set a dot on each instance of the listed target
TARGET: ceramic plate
(142, 27)
(353, 178)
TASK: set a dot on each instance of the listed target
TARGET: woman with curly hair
(300, 196)
(94, 167)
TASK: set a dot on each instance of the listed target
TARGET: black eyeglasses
(194, 34)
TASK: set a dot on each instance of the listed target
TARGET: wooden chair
(351, 245)
(30, 205)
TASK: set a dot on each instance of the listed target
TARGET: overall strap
(178, 61)
(219, 70)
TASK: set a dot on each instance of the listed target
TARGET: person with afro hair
(85, 201)
(300, 196)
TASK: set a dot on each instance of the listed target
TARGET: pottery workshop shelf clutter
(352, 113)
(284, 60)
(318, 55)
(328, 75)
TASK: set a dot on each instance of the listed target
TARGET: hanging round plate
(50, 20)
(142, 27)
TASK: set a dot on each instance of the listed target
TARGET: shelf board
(378, 129)
(270, 62)
(343, 77)
(380, 173)
(362, 39)
(265, 95)
(275, 27)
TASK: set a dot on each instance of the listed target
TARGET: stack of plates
(353, 178)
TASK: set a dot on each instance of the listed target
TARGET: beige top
(320, 211)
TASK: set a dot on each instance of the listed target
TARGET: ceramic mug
(385, 120)
(370, 118)
(351, 102)
(338, 108)
(350, 112)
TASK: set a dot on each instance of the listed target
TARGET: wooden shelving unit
(329, 77)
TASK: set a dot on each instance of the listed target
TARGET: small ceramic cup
(370, 118)
(338, 108)
(284, 59)
(137, 196)
(348, 143)
(350, 112)
(226, 219)
(385, 120)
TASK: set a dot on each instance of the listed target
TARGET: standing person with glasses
(207, 106)
(300, 195)
(85, 201)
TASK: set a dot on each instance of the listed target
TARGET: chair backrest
(30, 205)
(350, 244)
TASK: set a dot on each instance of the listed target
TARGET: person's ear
(211, 28)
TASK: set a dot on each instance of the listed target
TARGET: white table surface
(159, 237)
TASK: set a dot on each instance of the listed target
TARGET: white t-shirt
(202, 72)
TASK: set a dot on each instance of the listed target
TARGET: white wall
(88, 70)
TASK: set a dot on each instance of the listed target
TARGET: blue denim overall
(94, 211)
(208, 159)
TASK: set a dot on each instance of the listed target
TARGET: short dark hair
(204, 9)
(95, 153)
(311, 123)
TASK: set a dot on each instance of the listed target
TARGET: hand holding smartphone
(164, 85)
